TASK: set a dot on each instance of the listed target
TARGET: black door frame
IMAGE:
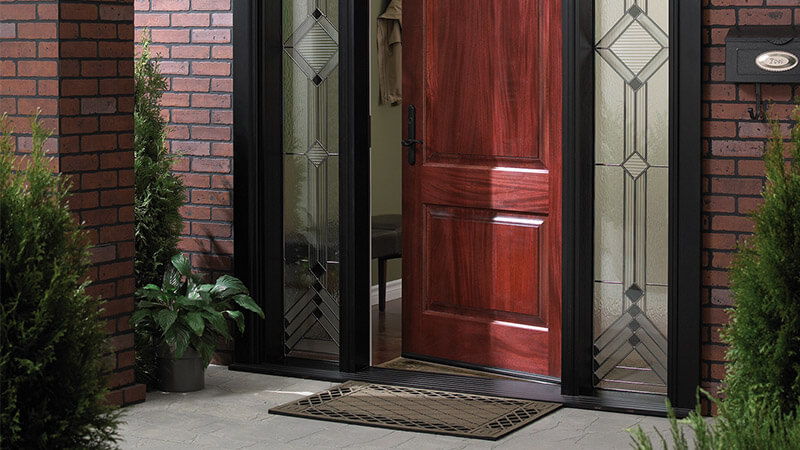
(258, 185)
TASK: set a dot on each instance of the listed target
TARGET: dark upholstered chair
(387, 243)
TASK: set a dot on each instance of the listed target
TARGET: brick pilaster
(96, 149)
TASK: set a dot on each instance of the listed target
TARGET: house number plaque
(776, 61)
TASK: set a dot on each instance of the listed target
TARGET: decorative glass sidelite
(311, 178)
(631, 195)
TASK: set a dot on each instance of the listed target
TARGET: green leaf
(139, 315)
(227, 286)
(247, 302)
(181, 263)
(165, 318)
(237, 316)
(178, 337)
(172, 279)
(217, 321)
(148, 304)
(196, 322)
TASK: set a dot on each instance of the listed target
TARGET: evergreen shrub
(52, 370)
(159, 196)
(761, 408)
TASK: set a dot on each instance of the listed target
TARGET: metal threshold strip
(651, 405)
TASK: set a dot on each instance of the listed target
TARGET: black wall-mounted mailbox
(762, 54)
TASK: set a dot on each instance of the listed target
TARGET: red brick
(203, 197)
(98, 30)
(78, 125)
(78, 49)
(211, 165)
(37, 30)
(222, 19)
(78, 163)
(116, 86)
(211, 133)
(732, 223)
(151, 20)
(170, 36)
(211, 100)
(190, 116)
(211, 68)
(224, 5)
(98, 105)
(10, 12)
(134, 394)
(191, 212)
(117, 306)
(99, 142)
(121, 378)
(191, 20)
(212, 230)
(222, 149)
(117, 197)
(193, 180)
(170, 5)
(116, 160)
(97, 180)
(116, 234)
(190, 52)
(72, 87)
(191, 84)
(17, 50)
(117, 13)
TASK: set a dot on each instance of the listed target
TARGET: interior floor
(387, 332)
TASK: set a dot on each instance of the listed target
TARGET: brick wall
(29, 67)
(732, 166)
(74, 60)
(96, 148)
(193, 39)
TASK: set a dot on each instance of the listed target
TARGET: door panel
(482, 204)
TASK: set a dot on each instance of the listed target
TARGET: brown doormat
(421, 410)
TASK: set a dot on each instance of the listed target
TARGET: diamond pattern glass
(631, 198)
(311, 179)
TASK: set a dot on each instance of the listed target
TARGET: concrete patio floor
(231, 413)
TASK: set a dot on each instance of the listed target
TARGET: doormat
(421, 410)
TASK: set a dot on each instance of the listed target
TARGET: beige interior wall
(386, 149)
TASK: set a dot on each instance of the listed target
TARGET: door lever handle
(412, 140)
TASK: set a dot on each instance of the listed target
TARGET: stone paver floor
(231, 413)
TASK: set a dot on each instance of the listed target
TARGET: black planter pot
(186, 374)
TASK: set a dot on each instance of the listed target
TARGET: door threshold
(650, 405)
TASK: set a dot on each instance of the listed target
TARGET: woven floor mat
(421, 410)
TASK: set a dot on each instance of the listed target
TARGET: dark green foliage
(764, 333)
(188, 313)
(159, 195)
(756, 422)
(761, 409)
(51, 363)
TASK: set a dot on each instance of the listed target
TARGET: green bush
(159, 195)
(764, 333)
(51, 363)
(761, 409)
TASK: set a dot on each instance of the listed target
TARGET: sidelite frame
(259, 52)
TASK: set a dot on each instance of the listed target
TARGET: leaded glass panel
(631, 195)
(311, 178)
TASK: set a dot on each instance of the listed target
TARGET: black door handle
(412, 141)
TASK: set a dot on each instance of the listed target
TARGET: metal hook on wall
(760, 112)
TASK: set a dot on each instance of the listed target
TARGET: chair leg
(381, 284)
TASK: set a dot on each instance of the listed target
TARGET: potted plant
(192, 318)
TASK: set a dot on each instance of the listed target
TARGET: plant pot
(186, 374)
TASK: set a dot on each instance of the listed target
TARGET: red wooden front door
(482, 203)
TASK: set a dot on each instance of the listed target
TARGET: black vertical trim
(354, 184)
(685, 197)
(685, 201)
(578, 204)
(258, 173)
